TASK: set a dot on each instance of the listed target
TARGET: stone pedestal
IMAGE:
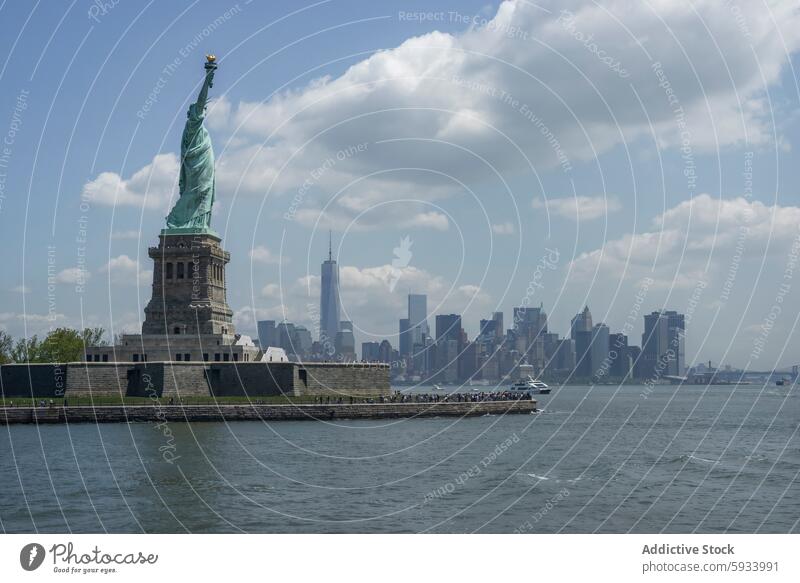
(189, 294)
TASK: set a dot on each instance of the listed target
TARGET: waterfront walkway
(157, 412)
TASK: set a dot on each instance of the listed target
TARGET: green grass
(100, 401)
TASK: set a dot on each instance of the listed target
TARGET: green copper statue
(192, 212)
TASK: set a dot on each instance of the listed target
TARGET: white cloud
(432, 220)
(261, 254)
(151, 186)
(271, 290)
(28, 324)
(578, 208)
(21, 289)
(73, 275)
(368, 300)
(412, 122)
(440, 86)
(131, 234)
(506, 228)
(691, 236)
(706, 238)
(724, 261)
(126, 271)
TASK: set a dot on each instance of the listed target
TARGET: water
(718, 459)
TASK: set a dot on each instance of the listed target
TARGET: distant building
(530, 325)
(329, 304)
(418, 318)
(618, 355)
(450, 340)
(600, 365)
(565, 356)
(370, 351)
(386, 352)
(302, 340)
(487, 329)
(468, 361)
(447, 360)
(285, 337)
(346, 342)
(634, 358)
(266, 333)
(405, 338)
(583, 355)
(582, 322)
(422, 361)
(498, 328)
(448, 327)
(492, 327)
(663, 349)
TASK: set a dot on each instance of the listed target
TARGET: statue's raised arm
(192, 211)
(210, 66)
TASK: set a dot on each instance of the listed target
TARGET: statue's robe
(193, 209)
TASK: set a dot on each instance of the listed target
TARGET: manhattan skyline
(486, 178)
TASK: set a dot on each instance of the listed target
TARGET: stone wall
(177, 413)
(252, 379)
(193, 379)
(37, 380)
(335, 379)
(99, 379)
(184, 379)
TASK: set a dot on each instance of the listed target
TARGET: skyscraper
(618, 355)
(582, 322)
(405, 338)
(346, 342)
(267, 335)
(663, 344)
(418, 318)
(530, 325)
(676, 331)
(329, 306)
(581, 333)
(600, 366)
(370, 351)
(448, 327)
(449, 343)
(583, 354)
(385, 351)
(497, 317)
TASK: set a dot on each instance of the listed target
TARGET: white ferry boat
(530, 385)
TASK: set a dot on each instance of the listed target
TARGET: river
(603, 459)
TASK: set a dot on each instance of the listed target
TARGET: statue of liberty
(192, 212)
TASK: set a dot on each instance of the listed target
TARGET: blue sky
(560, 153)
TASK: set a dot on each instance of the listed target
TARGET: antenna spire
(330, 245)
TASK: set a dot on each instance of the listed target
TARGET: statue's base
(192, 231)
(189, 295)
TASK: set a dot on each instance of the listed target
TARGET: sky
(626, 156)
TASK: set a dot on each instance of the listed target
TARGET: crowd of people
(431, 398)
(461, 397)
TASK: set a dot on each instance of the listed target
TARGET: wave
(691, 458)
(555, 479)
(538, 477)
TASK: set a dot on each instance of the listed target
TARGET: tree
(68, 345)
(94, 336)
(60, 345)
(6, 346)
(26, 350)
